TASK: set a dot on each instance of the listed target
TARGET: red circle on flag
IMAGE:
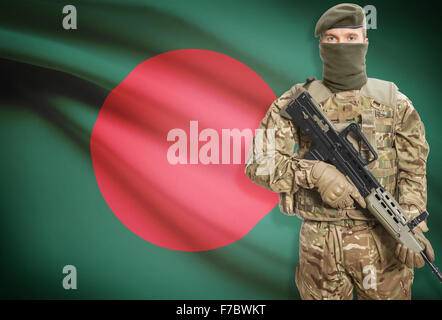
(156, 142)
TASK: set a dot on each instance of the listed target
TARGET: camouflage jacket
(391, 124)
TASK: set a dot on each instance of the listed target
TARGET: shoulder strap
(317, 89)
(384, 92)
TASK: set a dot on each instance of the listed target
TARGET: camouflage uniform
(336, 244)
(335, 257)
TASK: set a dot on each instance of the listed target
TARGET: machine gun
(335, 148)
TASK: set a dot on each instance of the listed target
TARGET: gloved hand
(409, 257)
(333, 186)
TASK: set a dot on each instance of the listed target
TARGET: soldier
(341, 245)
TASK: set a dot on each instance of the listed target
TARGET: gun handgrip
(354, 127)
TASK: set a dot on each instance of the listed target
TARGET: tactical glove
(409, 257)
(333, 186)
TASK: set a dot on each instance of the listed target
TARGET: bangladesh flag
(125, 128)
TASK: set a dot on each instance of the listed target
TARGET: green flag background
(54, 82)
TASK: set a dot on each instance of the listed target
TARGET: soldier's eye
(351, 38)
(331, 38)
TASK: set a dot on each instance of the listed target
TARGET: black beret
(344, 15)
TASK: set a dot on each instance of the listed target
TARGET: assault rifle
(335, 148)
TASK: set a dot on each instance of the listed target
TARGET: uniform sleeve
(412, 151)
(271, 162)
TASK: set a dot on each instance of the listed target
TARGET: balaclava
(343, 63)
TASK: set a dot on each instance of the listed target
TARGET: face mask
(343, 65)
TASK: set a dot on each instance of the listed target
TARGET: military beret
(344, 15)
